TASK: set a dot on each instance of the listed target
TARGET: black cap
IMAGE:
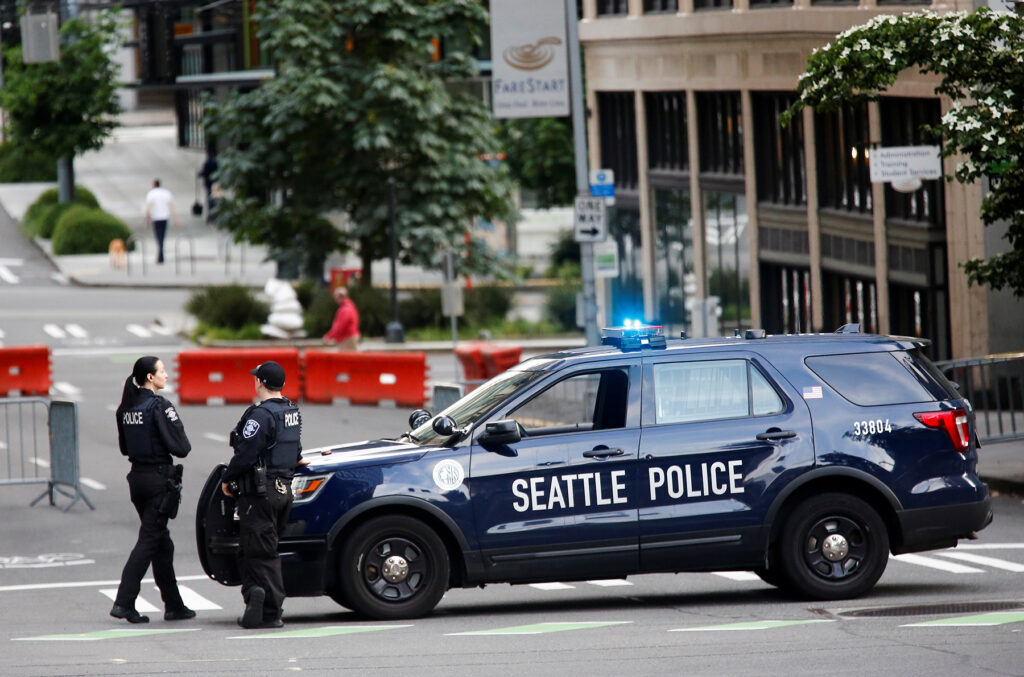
(270, 374)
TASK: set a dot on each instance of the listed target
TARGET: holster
(254, 482)
(171, 499)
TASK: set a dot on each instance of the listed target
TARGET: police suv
(804, 458)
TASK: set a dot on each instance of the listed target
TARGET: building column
(750, 189)
(696, 199)
(881, 234)
(647, 239)
(589, 9)
(813, 222)
(636, 8)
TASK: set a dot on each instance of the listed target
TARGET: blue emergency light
(633, 336)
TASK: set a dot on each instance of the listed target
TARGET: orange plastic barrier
(25, 369)
(224, 373)
(498, 358)
(472, 360)
(366, 377)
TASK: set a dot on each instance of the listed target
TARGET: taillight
(953, 421)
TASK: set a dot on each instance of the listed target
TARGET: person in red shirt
(345, 329)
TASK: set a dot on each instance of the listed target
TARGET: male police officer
(267, 448)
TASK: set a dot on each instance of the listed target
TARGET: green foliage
(358, 100)
(374, 306)
(85, 230)
(247, 332)
(21, 164)
(41, 218)
(566, 250)
(540, 157)
(65, 108)
(977, 57)
(320, 309)
(230, 306)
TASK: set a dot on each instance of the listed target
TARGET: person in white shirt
(159, 209)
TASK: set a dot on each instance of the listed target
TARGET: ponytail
(144, 366)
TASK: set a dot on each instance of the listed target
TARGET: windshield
(474, 405)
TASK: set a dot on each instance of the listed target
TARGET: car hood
(359, 454)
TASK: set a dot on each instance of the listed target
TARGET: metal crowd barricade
(35, 435)
(191, 253)
(135, 238)
(994, 384)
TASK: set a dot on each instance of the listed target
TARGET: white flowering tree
(979, 57)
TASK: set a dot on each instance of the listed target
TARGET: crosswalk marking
(737, 575)
(610, 583)
(59, 278)
(991, 618)
(76, 330)
(193, 600)
(160, 329)
(552, 586)
(66, 388)
(54, 331)
(41, 462)
(93, 484)
(1, 334)
(325, 631)
(216, 437)
(951, 567)
(7, 276)
(139, 330)
(541, 628)
(983, 560)
(141, 605)
(751, 625)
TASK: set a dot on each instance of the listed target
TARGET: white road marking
(216, 437)
(738, 575)
(933, 563)
(54, 331)
(552, 586)
(610, 583)
(111, 407)
(77, 331)
(1, 334)
(66, 388)
(139, 331)
(990, 546)
(985, 561)
(160, 329)
(11, 262)
(111, 350)
(7, 276)
(59, 278)
(93, 484)
(193, 600)
(42, 463)
(141, 605)
(87, 584)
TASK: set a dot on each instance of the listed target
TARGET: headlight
(306, 487)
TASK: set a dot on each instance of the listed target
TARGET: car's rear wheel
(833, 546)
(393, 567)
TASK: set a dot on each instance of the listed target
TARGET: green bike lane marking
(103, 634)
(992, 618)
(323, 631)
(750, 625)
(540, 628)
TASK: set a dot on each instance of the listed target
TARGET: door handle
(602, 452)
(776, 435)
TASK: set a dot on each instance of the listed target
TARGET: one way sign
(591, 224)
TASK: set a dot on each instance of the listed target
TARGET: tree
(359, 99)
(979, 58)
(540, 157)
(65, 108)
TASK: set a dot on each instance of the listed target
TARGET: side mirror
(418, 418)
(499, 433)
(444, 426)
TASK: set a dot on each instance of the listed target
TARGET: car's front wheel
(393, 566)
(834, 546)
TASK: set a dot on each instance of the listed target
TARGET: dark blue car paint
(929, 493)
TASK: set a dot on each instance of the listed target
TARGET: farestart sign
(900, 163)
(530, 63)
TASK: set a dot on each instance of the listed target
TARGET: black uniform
(149, 433)
(268, 434)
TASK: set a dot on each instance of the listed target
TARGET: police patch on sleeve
(171, 414)
(448, 475)
(251, 426)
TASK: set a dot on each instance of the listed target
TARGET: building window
(754, 4)
(848, 299)
(660, 6)
(617, 124)
(612, 7)
(727, 259)
(902, 122)
(626, 291)
(778, 151)
(712, 4)
(675, 281)
(785, 298)
(843, 150)
(666, 131)
(720, 126)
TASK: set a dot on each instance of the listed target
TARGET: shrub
(374, 309)
(231, 306)
(319, 305)
(20, 164)
(42, 215)
(83, 230)
(486, 306)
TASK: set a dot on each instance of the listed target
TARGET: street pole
(579, 135)
(65, 165)
(393, 333)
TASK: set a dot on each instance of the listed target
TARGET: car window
(587, 401)
(870, 379)
(712, 389)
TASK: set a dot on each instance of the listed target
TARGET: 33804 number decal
(872, 427)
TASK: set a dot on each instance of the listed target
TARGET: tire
(773, 576)
(418, 564)
(833, 546)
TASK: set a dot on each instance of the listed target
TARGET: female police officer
(149, 431)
